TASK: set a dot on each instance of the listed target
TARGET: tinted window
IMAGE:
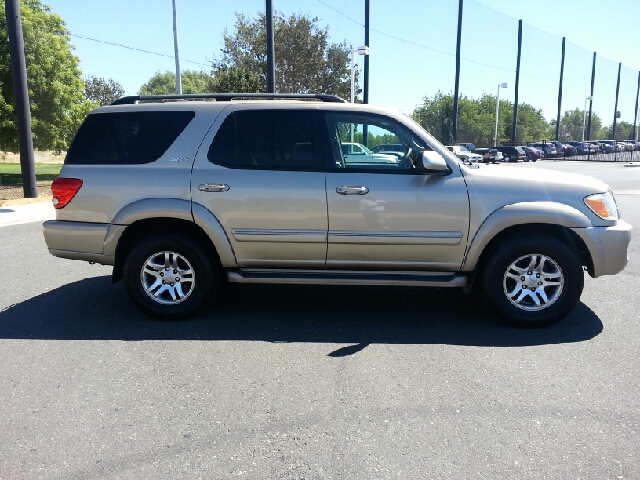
(266, 140)
(126, 138)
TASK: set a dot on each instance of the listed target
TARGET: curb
(24, 201)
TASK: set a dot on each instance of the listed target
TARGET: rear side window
(273, 140)
(126, 138)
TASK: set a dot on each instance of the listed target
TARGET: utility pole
(21, 98)
(175, 48)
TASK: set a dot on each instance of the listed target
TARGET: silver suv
(180, 196)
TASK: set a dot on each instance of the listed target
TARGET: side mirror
(430, 161)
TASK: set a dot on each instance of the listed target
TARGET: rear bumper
(608, 247)
(91, 242)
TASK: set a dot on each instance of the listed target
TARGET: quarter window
(126, 138)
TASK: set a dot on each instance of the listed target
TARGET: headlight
(603, 205)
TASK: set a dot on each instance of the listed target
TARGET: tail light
(63, 190)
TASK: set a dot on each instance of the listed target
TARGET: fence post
(560, 91)
(593, 79)
(615, 109)
(454, 129)
(515, 105)
(634, 134)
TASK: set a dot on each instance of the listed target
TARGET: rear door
(261, 175)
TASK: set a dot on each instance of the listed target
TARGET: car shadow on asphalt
(94, 309)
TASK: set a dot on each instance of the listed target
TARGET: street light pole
(584, 115)
(175, 47)
(495, 134)
(360, 51)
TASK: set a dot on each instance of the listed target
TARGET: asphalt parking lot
(294, 382)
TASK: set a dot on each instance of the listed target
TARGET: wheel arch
(527, 218)
(175, 216)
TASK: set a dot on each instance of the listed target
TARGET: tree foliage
(234, 80)
(55, 84)
(101, 91)
(572, 122)
(165, 83)
(305, 61)
(476, 120)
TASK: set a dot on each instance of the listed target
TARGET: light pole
(584, 115)
(495, 133)
(359, 51)
(175, 47)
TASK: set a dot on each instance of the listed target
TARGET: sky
(412, 45)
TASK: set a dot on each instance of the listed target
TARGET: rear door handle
(350, 190)
(213, 187)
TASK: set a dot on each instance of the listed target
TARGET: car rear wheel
(168, 276)
(533, 281)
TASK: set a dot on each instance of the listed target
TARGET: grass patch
(10, 173)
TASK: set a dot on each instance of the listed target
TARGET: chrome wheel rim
(167, 278)
(533, 282)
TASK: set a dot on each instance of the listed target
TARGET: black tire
(186, 256)
(526, 159)
(559, 257)
(534, 159)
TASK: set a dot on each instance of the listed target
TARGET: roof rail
(226, 97)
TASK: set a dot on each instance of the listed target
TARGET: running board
(346, 277)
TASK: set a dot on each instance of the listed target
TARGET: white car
(463, 154)
(358, 153)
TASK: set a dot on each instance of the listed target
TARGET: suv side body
(259, 192)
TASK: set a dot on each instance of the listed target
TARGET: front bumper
(608, 247)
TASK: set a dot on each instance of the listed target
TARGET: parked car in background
(581, 147)
(469, 146)
(549, 149)
(559, 148)
(358, 153)
(463, 154)
(389, 147)
(569, 150)
(533, 154)
(512, 154)
(628, 147)
(493, 156)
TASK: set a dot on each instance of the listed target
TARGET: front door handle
(349, 190)
(213, 187)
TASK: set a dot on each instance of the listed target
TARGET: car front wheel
(533, 281)
(168, 276)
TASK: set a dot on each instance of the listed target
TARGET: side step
(346, 277)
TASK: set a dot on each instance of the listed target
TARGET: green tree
(101, 91)
(234, 80)
(624, 131)
(476, 120)
(305, 60)
(58, 104)
(165, 83)
(571, 125)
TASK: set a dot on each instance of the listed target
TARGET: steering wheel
(405, 161)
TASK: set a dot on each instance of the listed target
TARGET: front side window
(372, 142)
(274, 140)
(126, 138)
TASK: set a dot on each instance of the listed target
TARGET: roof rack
(226, 97)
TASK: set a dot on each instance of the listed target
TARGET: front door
(388, 215)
